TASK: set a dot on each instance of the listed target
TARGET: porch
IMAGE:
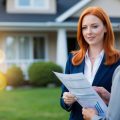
(23, 64)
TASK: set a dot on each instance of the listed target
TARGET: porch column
(61, 48)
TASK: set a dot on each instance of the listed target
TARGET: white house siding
(112, 7)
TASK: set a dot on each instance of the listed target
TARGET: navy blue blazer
(102, 78)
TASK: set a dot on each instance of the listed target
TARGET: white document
(85, 95)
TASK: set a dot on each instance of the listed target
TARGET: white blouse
(91, 70)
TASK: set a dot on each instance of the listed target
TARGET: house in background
(44, 30)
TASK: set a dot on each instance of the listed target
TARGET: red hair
(111, 54)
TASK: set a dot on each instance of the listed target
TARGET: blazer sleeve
(114, 104)
(64, 89)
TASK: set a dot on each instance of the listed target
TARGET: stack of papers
(85, 95)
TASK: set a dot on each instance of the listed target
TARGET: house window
(40, 3)
(17, 47)
(34, 4)
(10, 48)
(23, 2)
(39, 47)
(31, 6)
(25, 47)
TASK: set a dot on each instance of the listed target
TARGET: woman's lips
(90, 38)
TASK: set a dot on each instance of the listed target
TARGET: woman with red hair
(97, 57)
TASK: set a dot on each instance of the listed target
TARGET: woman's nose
(89, 30)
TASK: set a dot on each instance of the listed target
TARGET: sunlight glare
(2, 56)
(3, 81)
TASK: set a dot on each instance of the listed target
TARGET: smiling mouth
(90, 38)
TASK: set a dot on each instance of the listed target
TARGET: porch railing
(23, 64)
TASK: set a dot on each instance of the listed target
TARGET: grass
(31, 104)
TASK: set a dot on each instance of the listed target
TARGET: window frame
(31, 6)
(31, 52)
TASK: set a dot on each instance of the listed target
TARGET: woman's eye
(95, 26)
(83, 28)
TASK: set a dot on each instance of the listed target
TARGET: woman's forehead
(91, 19)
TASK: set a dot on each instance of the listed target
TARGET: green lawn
(31, 104)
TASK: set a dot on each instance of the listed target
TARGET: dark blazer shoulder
(71, 69)
(68, 63)
(118, 62)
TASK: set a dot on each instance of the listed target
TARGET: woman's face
(93, 30)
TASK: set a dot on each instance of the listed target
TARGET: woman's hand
(88, 113)
(68, 98)
(104, 94)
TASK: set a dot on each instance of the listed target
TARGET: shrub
(14, 76)
(40, 73)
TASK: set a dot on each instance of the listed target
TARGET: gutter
(26, 26)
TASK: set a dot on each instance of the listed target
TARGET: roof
(9, 21)
(62, 6)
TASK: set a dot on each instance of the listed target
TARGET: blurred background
(36, 37)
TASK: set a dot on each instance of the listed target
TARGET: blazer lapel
(101, 72)
(79, 68)
(82, 66)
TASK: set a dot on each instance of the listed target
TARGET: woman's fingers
(68, 98)
(68, 95)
